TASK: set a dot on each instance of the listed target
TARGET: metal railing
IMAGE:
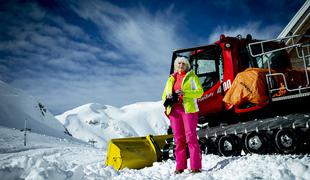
(302, 52)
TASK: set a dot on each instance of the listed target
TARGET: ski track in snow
(52, 158)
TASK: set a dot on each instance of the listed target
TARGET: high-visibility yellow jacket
(191, 88)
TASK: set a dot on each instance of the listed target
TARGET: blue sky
(69, 53)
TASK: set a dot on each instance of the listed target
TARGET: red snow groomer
(256, 99)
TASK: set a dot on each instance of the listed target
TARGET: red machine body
(217, 65)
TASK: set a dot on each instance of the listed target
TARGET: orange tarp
(249, 85)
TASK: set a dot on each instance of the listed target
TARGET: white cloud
(136, 32)
(254, 28)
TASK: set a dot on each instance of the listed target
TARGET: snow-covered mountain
(100, 123)
(90, 122)
(16, 107)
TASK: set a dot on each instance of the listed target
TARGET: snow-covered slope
(16, 106)
(100, 123)
(53, 158)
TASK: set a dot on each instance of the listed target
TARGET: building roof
(300, 23)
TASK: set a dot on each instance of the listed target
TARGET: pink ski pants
(184, 131)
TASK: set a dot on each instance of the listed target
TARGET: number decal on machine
(226, 86)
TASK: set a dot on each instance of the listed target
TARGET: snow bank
(44, 157)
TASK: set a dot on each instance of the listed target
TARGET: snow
(54, 155)
(44, 157)
(54, 158)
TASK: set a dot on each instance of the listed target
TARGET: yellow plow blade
(136, 152)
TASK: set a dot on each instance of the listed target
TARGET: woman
(183, 113)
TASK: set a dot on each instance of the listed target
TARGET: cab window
(205, 65)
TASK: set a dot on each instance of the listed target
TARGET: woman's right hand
(179, 92)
